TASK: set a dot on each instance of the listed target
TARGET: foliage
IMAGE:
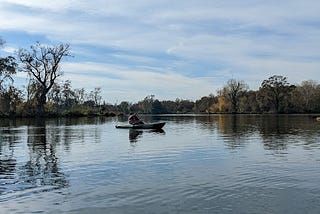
(275, 94)
(306, 97)
(42, 64)
(10, 97)
(7, 69)
(63, 100)
(232, 93)
(206, 104)
(46, 96)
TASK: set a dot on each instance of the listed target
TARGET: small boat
(142, 126)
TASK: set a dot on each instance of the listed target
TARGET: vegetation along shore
(45, 96)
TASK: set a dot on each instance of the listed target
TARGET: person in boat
(134, 119)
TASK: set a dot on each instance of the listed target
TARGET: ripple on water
(197, 166)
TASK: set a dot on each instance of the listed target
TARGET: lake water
(196, 164)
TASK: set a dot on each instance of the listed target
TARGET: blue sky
(171, 49)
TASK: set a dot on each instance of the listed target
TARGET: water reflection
(275, 132)
(202, 163)
(8, 163)
(7, 169)
(21, 122)
(278, 131)
(37, 168)
(42, 166)
(136, 134)
(235, 129)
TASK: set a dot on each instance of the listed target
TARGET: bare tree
(96, 96)
(233, 91)
(42, 64)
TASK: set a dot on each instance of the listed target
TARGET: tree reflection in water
(275, 131)
(38, 169)
(8, 162)
(7, 170)
(42, 166)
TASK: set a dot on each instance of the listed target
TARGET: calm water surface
(196, 164)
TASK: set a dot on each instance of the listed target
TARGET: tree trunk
(41, 102)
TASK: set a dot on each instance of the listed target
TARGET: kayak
(142, 126)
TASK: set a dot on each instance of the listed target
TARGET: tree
(42, 63)
(10, 99)
(55, 95)
(233, 91)
(144, 106)
(184, 106)
(221, 105)
(8, 67)
(157, 107)
(124, 107)
(80, 95)
(147, 104)
(205, 104)
(68, 95)
(248, 102)
(169, 106)
(95, 96)
(275, 92)
(306, 96)
(8, 93)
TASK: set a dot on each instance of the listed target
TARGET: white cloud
(135, 58)
(126, 82)
(56, 5)
(248, 40)
(8, 50)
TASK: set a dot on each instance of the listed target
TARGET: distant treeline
(45, 96)
(275, 95)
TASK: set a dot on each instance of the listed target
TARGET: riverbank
(62, 115)
(76, 114)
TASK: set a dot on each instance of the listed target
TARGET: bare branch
(42, 63)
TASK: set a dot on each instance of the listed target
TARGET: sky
(182, 49)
